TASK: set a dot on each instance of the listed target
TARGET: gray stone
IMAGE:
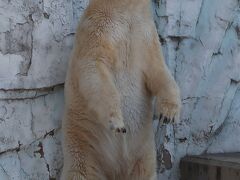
(201, 45)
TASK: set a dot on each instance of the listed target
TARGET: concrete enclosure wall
(201, 42)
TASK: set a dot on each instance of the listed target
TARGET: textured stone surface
(35, 41)
(36, 38)
(201, 43)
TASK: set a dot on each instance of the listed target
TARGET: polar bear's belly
(136, 102)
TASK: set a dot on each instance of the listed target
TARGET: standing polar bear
(116, 69)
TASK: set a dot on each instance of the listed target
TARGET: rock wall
(201, 44)
(201, 40)
(36, 38)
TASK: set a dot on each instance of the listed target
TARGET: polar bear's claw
(121, 130)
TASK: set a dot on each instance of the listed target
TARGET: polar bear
(115, 70)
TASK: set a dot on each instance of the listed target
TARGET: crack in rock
(21, 147)
(16, 149)
(24, 94)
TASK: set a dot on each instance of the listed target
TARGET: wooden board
(211, 167)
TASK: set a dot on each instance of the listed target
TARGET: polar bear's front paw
(117, 126)
(168, 111)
